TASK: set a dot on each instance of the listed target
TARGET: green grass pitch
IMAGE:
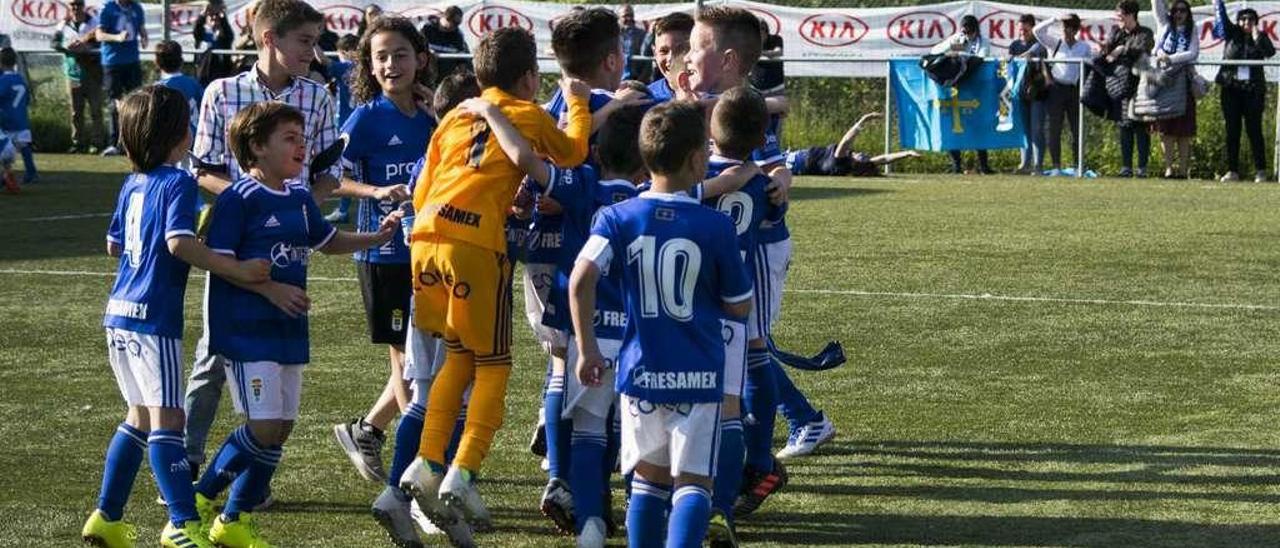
(1126, 393)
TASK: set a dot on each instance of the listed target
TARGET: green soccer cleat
(242, 533)
(103, 533)
(191, 535)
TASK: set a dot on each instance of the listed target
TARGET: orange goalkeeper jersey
(467, 185)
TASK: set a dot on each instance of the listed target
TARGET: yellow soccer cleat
(204, 507)
(242, 533)
(103, 533)
(191, 535)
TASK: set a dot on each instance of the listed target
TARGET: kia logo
(1268, 25)
(1000, 27)
(1097, 31)
(920, 29)
(1207, 41)
(770, 20)
(342, 18)
(492, 18)
(832, 30)
(39, 13)
(183, 17)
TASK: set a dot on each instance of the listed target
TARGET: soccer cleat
(806, 439)
(363, 445)
(458, 491)
(393, 514)
(11, 183)
(757, 487)
(242, 533)
(1260, 176)
(720, 533)
(593, 534)
(336, 217)
(191, 535)
(111, 151)
(1230, 177)
(424, 486)
(415, 512)
(557, 504)
(103, 533)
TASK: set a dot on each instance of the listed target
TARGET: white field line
(845, 292)
(62, 217)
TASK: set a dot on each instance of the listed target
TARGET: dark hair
(1190, 25)
(504, 56)
(678, 21)
(284, 16)
(452, 11)
(669, 133)
(168, 56)
(364, 87)
(348, 42)
(738, 122)
(254, 124)
(8, 57)
(1247, 12)
(969, 23)
(736, 29)
(1071, 21)
(583, 39)
(1129, 7)
(634, 85)
(1027, 19)
(153, 121)
(618, 141)
(453, 89)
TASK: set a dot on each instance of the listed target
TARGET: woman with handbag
(1128, 44)
(1243, 89)
(1035, 87)
(1063, 102)
(1178, 46)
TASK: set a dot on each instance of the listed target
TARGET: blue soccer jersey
(581, 194)
(746, 207)
(13, 102)
(382, 147)
(191, 89)
(253, 221)
(153, 207)
(660, 90)
(680, 264)
(339, 71)
(771, 152)
(116, 18)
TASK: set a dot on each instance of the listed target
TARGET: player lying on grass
(681, 275)
(265, 337)
(840, 159)
(153, 234)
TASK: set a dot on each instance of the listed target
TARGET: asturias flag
(966, 117)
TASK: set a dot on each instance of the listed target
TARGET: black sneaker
(538, 445)
(757, 487)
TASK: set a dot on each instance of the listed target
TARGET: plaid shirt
(224, 97)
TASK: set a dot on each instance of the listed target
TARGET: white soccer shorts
(21, 138)
(148, 368)
(538, 279)
(683, 437)
(735, 356)
(265, 390)
(774, 262)
(594, 399)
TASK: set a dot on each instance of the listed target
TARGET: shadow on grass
(801, 192)
(65, 215)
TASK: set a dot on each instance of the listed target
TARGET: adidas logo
(272, 222)
(395, 140)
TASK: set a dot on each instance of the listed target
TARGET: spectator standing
(966, 42)
(339, 85)
(632, 45)
(169, 62)
(1178, 46)
(444, 37)
(1243, 90)
(212, 31)
(1033, 117)
(1128, 44)
(77, 39)
(768, 76)
(122, 30)
(14, 118)
(371, 12)
(1064, 85)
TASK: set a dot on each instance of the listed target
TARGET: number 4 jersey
(680, 264)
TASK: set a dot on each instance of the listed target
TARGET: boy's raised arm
(568, 148)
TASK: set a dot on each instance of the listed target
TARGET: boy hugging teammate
(681, 275)
(462, 274)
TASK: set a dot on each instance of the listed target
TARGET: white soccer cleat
(593, 534)
(459, 493)
(391, 509)
(808, 438)
(428, 528)
(424, 486)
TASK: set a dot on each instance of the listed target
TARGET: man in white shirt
(1064, 89)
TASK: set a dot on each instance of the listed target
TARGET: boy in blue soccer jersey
(14, 118)
(169, 61)
(670, 44)
(385, 136)
(264, 337)
(153, 234)
(339, 85)
(682, 275)
(580, 192)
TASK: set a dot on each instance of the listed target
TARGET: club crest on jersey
(284, 254)
(664, 214)
(397, 320)
(255, 386)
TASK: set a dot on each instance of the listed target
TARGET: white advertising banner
(813, 33)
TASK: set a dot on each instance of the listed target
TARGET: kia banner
(808, 33)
